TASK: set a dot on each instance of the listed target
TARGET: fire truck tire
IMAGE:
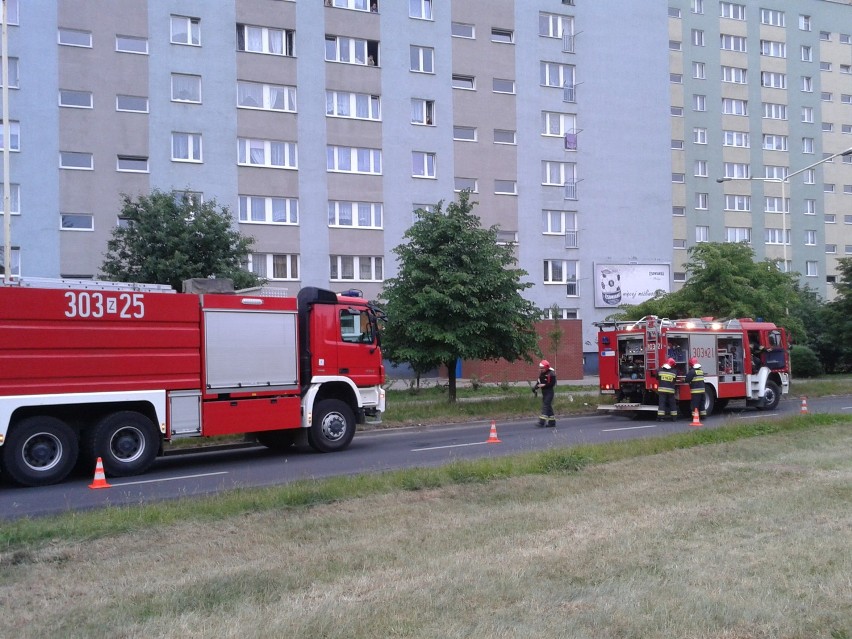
(771, 396)
(709, 399)
(126, 441)
(332, 427)
(39, 451)
(277, 439)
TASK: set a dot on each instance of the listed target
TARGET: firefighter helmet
(693, 361)
(670, 361)
(544, 364)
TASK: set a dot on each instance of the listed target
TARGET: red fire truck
(114, 370)
(741, 358)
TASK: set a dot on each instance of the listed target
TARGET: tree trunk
(451, 379)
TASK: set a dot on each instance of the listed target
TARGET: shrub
(804, 362)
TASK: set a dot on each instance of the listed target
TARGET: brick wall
(566, 357)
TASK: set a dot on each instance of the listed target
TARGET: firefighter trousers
(667, 405)
(698, 402)
(547, 417)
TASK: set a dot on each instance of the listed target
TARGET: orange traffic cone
(804, 405)
(695, 420)
(492, 437)
(100, 480)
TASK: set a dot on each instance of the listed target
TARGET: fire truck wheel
(39, 451)
(771, 396)
(126, 441)
(277, 439)
(709, 399)
(333, 426)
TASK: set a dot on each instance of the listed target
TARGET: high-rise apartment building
(761, 103)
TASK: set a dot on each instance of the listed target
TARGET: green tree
(457, 295)
(725, 281)
(838, 313)
(166, 241)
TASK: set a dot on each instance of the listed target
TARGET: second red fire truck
(112, 370)
(741, 358)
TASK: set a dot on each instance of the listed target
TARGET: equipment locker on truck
(94, 369)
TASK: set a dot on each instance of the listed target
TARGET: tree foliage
(457, 295)
(167, 241)
(725, 281)
(836, 346)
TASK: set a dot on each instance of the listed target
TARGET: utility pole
(7, 140)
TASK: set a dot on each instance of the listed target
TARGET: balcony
(567, 43)
(569, 92)
(571, 239)
(570, 189)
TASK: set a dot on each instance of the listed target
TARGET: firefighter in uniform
(666, 391)
(695, 379)
(546, 382)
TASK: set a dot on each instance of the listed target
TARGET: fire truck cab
(741, 358)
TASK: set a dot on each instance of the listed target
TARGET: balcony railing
(571, 240)
(570, 189)
(569, 92)
(567, 43)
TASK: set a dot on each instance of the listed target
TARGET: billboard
(617, 284)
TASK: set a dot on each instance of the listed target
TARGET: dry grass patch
(742, 540)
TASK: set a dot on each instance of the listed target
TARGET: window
(847, 129)
(847, 189)
(504, 136)
(702, 234)
(503, 86)
(809, 176)
(130, 44)
(267, 153)
(807, 84)
(186, 147)
(827, 127)
(560, 272)
(699, 135)
(421, 9)
(810, 208)
(811, 269)
(735, 75)
(699, 70)
(551, 25)
(677, 145)
(699, 102)
(674, 12)
(739, 139)
(558, 222)
(463, 82)
(75, 160)
(14, 197)
(557, 173)
(810, 237)
(845, 38)
(830, 218)
(257, 209)
(466, 133)
(828, 188)
(362, 215)
(346, 159)
(422, 111)
(674, 45)
(732, 106)
(732, 10)
(773, 204)
(735, 234)
(186, 30)
(354, 5)
(676, 111)
(773, 80)
(825, 36)
(13, 73)
(422, 59)
(11, 11)
(825, 66)
(736, 170)
(254, 39)
(807, 114)
(131, 164)
(845, 98)
(75, 38)
(351, 50)
(846, 68)
(737, 203)
(697, 6)
(826, 96)
(466, 184)
(274, 266)
(702, 201)
(186, 88)
(700, 168)
(557, 124)
(505, 187)
(462, 30)
(774, 142)
(733, 43)
(75, 99)
(76, 222)
(678, 276)
(774, 172)
(355, 268)
(188, 198)
(807, 145)
(679, 244)
(270, 97)
(361, 106)
(807, 53)
(678, 211)
(679, 178)
(506, 36)
(804, 23)
(772, 17)
(774, 111)
(134, 103)
(698, 37)
(553, 74)
(776, 236)
(423, 164)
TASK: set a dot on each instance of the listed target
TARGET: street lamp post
(783, 181)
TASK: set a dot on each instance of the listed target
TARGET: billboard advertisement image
(617, 284)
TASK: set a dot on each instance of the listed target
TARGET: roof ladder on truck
(651, 336)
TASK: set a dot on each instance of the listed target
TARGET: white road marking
(758, 416)
(846, 408)
(153, 481)
(610, 430)
(417, 450)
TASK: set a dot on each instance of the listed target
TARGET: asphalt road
(205, 473)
